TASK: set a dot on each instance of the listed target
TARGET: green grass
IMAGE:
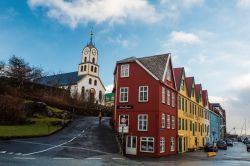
(55, 110)
(39, 128)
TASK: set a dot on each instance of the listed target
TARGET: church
(85, 82)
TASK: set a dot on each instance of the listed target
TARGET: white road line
(11, 153)
(94, 158)
(3, 152)
(53, 147)
(18, 154)
(25, 158)
(61, 158)
(83, 131)
(118, 158)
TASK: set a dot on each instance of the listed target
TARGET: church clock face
(94, 51)
(86, 51)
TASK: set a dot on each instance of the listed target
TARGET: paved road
(85, 142)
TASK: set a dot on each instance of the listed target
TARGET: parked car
(210, 147)
(229, 142)
(222, 145)
(245, 140)
(248, 145)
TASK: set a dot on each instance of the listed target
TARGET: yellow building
(190, 113)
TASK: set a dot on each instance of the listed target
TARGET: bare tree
(2, 65)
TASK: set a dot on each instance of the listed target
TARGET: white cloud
(215, 99)
(240, 82)
(175, 4)
(183, 37)
(76, 12)
(243, 3)
(109, 88)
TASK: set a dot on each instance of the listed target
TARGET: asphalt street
(86, 142)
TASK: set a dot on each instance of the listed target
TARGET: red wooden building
(146, 105)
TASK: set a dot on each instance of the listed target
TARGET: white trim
(121, 70)
(139, 100)
(163, 95)
(138, 122)
(163, 123)
(138, 62)
(120, 95)
(168, 124)
(165, 70)
(164, 144)
(147, 141)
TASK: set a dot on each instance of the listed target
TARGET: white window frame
(147, 139)
(162, 144)
(163, 98)
(172, 144)
(163, 120)
(168, 122)
(168, 96)
(169, 73)
(173, 99)
(143, 120)
(143, 91)
(173, 122)
(124, 70)
(120, 97)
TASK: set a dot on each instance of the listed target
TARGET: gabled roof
(155, 64)
(178, 74)
(197, 91)
(189, 83)
(61, 79)
(205, 97)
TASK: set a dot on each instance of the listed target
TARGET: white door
(131, 145)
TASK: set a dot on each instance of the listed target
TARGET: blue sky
(209, 38)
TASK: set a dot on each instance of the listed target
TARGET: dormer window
(168, 74)
(125, 70)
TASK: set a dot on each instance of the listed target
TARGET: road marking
(53, 147)
(18, 154)
(62, 158)
(25, 158)
(94, 158)
(3, 152)
(11, 153)
(118, 158)
(83, 131)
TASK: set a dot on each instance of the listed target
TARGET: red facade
(146, 133)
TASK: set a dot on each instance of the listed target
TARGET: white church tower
(90, 86)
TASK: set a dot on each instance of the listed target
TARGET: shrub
(11, 111)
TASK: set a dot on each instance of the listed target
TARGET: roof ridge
(151, 56)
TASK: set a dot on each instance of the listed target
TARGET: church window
(93, 60)
(90, 81)
(83, 91)
(85, 67)
(95, 82)
(85, 59)
(100, 96)
(95, 69)
(92, 68)
(81, 68)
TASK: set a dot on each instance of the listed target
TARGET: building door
(131, 145)
(180, 144)
(184, 144)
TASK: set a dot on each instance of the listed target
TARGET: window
(162, 145)
(172, 144)
(182, 124)
(100, 96)
(186, 105)
(92, 68)
(142, 122)
(95, 69)
(163, 120)
(191, 125)
(168, 121)
(186, 124)
(95, 82)
(85, 59)
(147, 144)
(85, 67)
(179, 102)
(168, 97)
(93, 60)
(123, 94)
(182, 84)
(125, 70)
(90, 81)
(173, 99)
(173, 122)
(163, 95)
(143, 93)
(182, 104)
(81, 68)
(168, 73)
(179, 124)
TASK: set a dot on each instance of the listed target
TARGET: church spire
(91, 36)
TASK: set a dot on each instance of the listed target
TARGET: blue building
(214, 126)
